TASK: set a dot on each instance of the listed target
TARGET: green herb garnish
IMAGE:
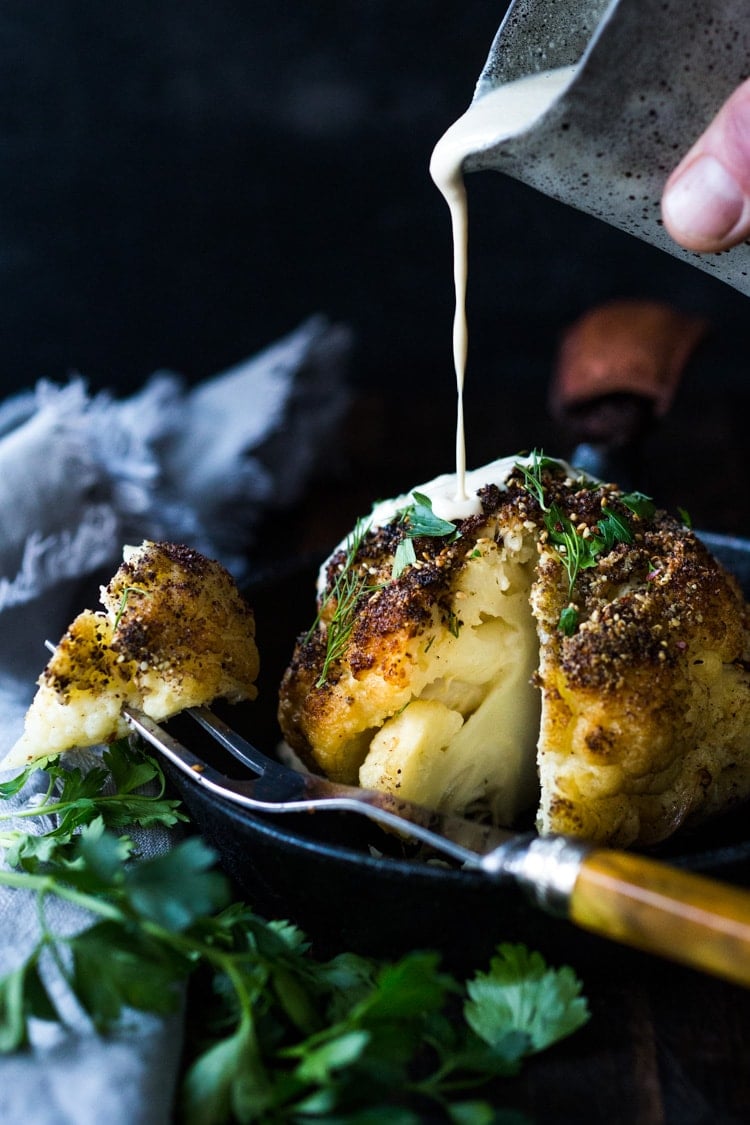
(404, 556)
(347, 590)
(351, 584)
(578, 551)
(639, 504)
(127, 591)
(77, 798)
(568, 622)
(422, 520)
(282, 1037)
(418, 519)
(454, 623)
(532, 474)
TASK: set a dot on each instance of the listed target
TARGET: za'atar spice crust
(492, 675)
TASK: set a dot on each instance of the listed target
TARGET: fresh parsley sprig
(292, 1038)
(113, 792)
(418, 520)
(135, 952)
(282, 1037)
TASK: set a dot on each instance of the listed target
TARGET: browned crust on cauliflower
(644, 707)
(319, 721)
(192, 625)
(175, 633)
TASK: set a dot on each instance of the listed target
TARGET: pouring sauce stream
(502, 112)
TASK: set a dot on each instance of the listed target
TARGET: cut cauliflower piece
(601, 679)
(175, 633)
(456, 633)
(646, 706)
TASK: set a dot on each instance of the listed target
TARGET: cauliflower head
(567, 649)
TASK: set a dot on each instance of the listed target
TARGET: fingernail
(705, 202)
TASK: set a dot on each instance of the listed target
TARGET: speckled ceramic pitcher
(652, 75)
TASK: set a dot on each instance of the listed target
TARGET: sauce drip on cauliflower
(497, 672)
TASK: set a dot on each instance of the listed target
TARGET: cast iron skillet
(350, 887)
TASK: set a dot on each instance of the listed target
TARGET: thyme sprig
(578, 551)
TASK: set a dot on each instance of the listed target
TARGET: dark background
(181, 183)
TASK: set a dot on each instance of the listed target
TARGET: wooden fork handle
(664, 910)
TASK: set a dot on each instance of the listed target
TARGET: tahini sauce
(501, 113)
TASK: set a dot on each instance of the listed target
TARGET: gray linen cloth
(80, 476)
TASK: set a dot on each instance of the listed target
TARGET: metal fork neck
(545, 867)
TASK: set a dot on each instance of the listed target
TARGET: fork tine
(266, 790)
(266, 794)
(180, 755)
(242, 750)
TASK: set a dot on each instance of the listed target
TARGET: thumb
(706, 200)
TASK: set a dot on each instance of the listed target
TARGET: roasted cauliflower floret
(646, 706)
(174, 633)
(569, 648)
(433, 698)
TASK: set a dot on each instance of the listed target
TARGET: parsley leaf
(282, 1037)
(22, 997)
(568, 622)
(15, 784)
(521, 997)
(418, 519)
(77, 798)
(155, 894)
(404, 556)
(422, 520)
(116, 968)
(640, 505)
(614, 529)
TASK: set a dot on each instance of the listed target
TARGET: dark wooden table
(665, 1045)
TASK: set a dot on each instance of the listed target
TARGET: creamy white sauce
(441, 490)
(501, 113)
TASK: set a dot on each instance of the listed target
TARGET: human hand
(706, 200)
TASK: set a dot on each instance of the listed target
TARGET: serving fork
(627, 897)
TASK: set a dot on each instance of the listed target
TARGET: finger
(706, 200)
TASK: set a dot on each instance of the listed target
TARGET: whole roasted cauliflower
(175, 633)
(569, 649)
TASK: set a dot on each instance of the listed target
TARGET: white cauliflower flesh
(175, 633)
(479, 668)
(467, 734)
